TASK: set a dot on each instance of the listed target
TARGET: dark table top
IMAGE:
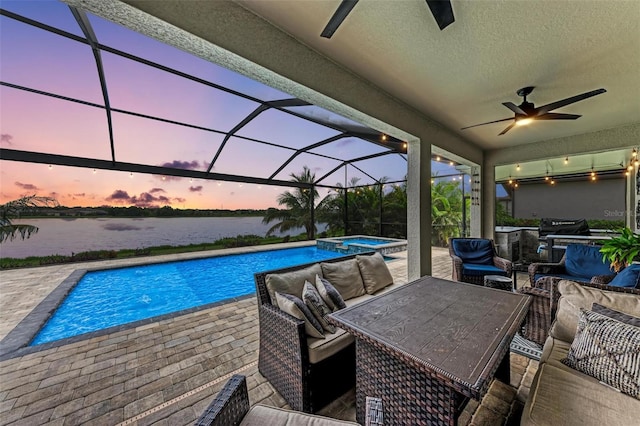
(459, 331)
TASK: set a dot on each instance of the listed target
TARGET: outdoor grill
(550, 226)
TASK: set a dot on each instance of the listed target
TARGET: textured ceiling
(461, 76)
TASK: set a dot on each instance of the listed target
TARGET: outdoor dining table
(426, 347)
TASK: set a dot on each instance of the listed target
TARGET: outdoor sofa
(561, 392)
(231, 408)
(309, 372)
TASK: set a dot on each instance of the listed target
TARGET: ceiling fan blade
(507, 129)
(489, 122)
(513, 107)
(558, 116)
(339, 15)
(442, 12)
(558, 104)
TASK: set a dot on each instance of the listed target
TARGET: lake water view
(74, 235)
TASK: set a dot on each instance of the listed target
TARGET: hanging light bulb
(566, 160)
(451, 163)
(510, 180)
(131, 175)
(517, 166)
(634, 153)
(553, 182)
(384, 137)
(515, 185)
(630, 166)
(404, 145)
(438, 158)
(546, 178)
(50, 167)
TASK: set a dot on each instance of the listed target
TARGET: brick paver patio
(167, 372)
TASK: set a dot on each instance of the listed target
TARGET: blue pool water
(107, 298)
(367, 241)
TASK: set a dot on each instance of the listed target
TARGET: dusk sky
(38, 59)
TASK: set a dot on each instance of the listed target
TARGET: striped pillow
(607, 350)
(316, 305)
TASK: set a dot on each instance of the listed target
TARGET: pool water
(112, 297)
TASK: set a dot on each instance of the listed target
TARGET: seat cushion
(567, 397)
(291, 282)
(262, 415)
(585, 261)
(628, 277)
(575, 296)
(345, 277)
(332, 343)
(375, 273)
(475, 269)
(473, 250)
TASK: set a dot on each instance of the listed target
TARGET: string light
(50, 167)
(438, 158)
(553, 182)
(515, 185)
(593, 174)
(451, 163)
(510, 180)
(94, 171)
(131, 175)
(634, 153)
(517, 166)
(384, 137)
(566, 160)
(404, 145)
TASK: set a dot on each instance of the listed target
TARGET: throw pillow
(296, 307)
(316, 305)
(329, 294)
(374, 271)
(290, 282)
(628, 277)
(607, 350)
(345, 277)
(616, 315)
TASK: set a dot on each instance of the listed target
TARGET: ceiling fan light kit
(526, 112)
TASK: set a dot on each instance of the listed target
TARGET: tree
(298, 203)
(446, 211)
(12, 210)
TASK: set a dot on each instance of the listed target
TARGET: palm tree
(299, 204)
(446, 211)
(12, 210)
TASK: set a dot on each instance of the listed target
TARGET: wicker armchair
(544, 302)
(284, 355)
(231, 407)
(495, 265)
(602, 273)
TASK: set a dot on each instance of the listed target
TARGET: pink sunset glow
(37, 59)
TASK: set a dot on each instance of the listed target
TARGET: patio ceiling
(460, 76)
(247, 119)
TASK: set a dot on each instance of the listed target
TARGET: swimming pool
(107, 298)
(354, 244)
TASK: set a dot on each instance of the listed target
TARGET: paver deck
(167, 372)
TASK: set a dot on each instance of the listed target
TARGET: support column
(419, 209)
(488, 202)
(476, 205)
